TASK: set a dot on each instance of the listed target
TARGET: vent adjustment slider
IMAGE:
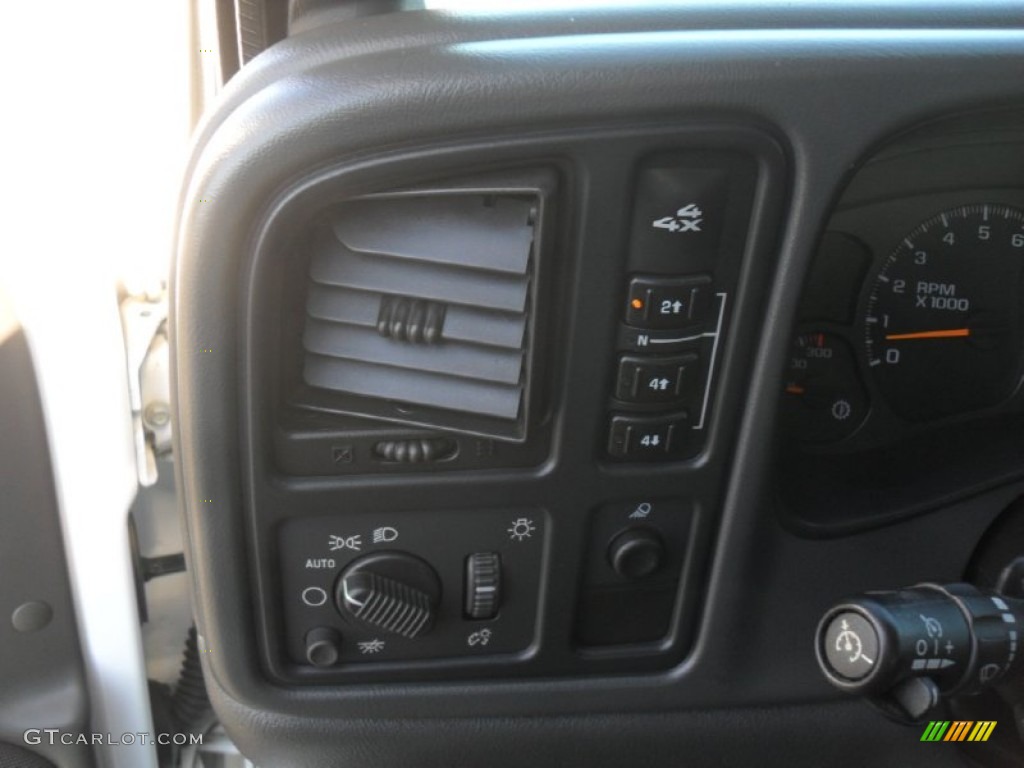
(413, 320)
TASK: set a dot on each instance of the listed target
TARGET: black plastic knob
(483, 585)
(956, 636)
(850, 646)
(636, 553)
(394, 592)
(323, 647)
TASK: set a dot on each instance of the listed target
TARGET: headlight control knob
(483, 585)
(394, 592)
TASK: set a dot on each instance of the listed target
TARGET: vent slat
(490, 328)
(457, 231)
(351, 342)
(495, 329)
(346, 268)
(340, 305)
(463, 395)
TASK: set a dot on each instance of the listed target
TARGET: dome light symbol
(521, 528)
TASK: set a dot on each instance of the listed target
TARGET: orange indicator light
(637, 304)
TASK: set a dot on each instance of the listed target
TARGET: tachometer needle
(952, 333)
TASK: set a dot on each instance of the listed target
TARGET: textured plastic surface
(18, 757)
(833, 80)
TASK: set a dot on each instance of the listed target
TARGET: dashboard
(905, 361)
(543, 378)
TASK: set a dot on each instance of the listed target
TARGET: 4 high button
(643, 379)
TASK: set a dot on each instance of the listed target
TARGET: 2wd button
(641, 439)
(656, 302)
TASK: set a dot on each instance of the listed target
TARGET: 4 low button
(654, 379)
(635, 437)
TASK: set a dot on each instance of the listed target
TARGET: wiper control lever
(908, 648)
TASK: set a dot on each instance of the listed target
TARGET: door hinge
(144, 321)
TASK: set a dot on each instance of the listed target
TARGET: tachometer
(943, 317)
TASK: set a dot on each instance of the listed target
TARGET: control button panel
(666, 379)
(688, 233)
(368, 588)
(636, 552)
(363, 594)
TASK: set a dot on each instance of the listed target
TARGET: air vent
(419, 309)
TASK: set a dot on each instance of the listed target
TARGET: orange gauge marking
(952, 333)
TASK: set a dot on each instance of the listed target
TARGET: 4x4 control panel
(688, 231)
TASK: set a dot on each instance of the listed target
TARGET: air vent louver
(423, 302)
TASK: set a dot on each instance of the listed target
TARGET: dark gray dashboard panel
(578, 473)
(827, 80)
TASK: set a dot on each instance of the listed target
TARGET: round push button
(636, 553)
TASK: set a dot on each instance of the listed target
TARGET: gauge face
(825, 401)
(942, 320)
